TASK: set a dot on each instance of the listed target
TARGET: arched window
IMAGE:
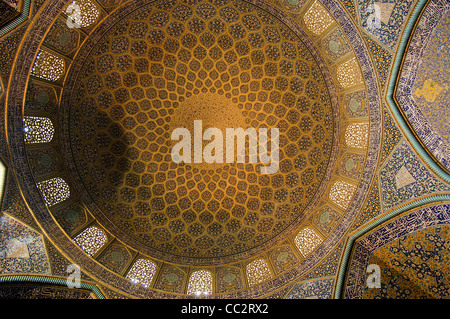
(357, 135)
(37, 129)
(142, 272)
(307, 240)
(54, 190)
(82, 13)
(341, 193)
(317, 19)
(349, 74)
(48, 66)
(200, 282)
(91, 240)
(257, 272)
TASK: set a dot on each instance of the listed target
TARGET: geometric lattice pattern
(357, 135)
(257, 272)
(142, 272)
(423, 259)
(200, 282)
(37, 129)
(317, 18)
(188, 64)
(341, 193)
(349, 74)
(139, 80)
(307, 240)
(54, 190)
(91, 240)
(87, 14)
(48, 66)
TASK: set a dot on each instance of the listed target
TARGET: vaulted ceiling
(93, 91)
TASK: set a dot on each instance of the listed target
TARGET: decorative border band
(15, 93)
(18, 20)
(390, 98)
(392, 87)
(50, 281)
(345, 261)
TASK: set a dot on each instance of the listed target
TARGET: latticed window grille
(317, 19)
(341, 193)
(307, 240)
(200, 282)
(37, 129)
(357, 135)
(142, 272)
(257, 272)
(82, 13)
(54, 190)
(91, 240)
(349, 74)
(48, 66)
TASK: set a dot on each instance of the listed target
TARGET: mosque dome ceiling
(147, 68)
(92, 113)
(164, 65)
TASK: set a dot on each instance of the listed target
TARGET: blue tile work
(420, 181)
(21, 249)
(407, 223)
(433, 77)
(389, 29)
(279, 294)
(314, 289)
(382, 59)
(422, 258)
(371, 208)
(356, 277)
(328, 266)
(425, 104)
(391, 134)
(349, 5)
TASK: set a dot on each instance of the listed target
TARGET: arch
(402, 221)
(49, 280)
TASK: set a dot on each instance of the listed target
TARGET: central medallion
(213, 109)
(221, 139)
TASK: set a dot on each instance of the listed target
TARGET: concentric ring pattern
(97, 118)
(229, 64)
